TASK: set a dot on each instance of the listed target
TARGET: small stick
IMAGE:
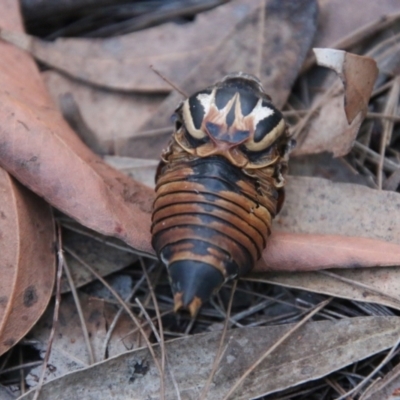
(218, 356)
(80, 312)
(60, 262)
(164, 78)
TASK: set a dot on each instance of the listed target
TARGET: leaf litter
(190, 360)
(313, 219)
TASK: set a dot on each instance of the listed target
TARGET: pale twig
(120, 300)
(60, 262)
(148, 319)
(160, 324)
(118, 315)
(375, 157)
(80, 313)
(274, 346)
(170, 83)
(218, 356)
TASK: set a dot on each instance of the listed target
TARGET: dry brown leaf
(40, 149)
(27, 266)
(340, 112)
(287, 34)
(316, 349)
(123, 62)
(109, 115)
(69, 351)
(302, 252)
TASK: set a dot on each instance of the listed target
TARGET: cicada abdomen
(218, 186)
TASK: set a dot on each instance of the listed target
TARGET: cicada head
(234, 119)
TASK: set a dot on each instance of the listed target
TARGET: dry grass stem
(80, 312)
(220, 351)
(60, 265)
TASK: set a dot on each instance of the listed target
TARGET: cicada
(218, 187)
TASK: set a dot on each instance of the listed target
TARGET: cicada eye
(269, 126)
(194, 110)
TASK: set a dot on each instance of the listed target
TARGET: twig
(170, 83)
(160, 325)
(117, 316)
(60, 262)
(80, 313)
(273, 347)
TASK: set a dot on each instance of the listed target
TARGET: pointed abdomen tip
(193, 283)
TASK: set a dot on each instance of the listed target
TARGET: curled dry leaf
(358, 74)
(334, 128)
(40, 149)
(123, 62)
(316, 349)
(27, 266)
(287, 33)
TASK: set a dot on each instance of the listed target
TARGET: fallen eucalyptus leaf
(123, 62)
(63, 171)
(27, 260)
(110, 115)
(317, 349)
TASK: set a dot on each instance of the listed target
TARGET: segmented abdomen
(209, 215)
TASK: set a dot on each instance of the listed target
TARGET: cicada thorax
(218, 187)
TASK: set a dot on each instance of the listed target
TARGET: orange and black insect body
(219, 184)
